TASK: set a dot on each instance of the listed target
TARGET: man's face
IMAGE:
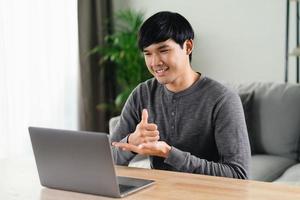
(167, 61)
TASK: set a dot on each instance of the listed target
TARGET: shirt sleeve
(231, 139)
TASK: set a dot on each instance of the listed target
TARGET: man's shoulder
(217, 88)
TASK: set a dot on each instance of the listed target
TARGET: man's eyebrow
(163, 46)
(159, 48)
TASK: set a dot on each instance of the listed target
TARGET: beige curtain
(96, 83)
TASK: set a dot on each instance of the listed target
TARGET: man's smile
(161, 71)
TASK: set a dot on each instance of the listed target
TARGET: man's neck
(183, 82)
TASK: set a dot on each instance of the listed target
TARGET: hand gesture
(157, 148)
(144, 132)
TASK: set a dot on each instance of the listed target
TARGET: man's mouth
(161, 71)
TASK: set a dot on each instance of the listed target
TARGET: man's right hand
(144, 131)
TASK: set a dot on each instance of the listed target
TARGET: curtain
(96, 82)
(38, 70)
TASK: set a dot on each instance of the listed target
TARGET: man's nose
(155, 61)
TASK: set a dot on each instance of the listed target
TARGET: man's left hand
(158, 148)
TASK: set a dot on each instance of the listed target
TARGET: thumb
(145, 116)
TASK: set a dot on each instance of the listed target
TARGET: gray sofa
(272, 112)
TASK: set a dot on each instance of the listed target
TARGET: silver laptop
(79, 161)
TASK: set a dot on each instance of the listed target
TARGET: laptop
(79, 161)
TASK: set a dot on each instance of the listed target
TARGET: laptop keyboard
(125, 188)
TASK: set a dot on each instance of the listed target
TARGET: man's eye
(164, 50)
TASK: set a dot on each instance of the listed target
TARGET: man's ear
(189, 44)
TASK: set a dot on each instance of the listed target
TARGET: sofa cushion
(275, 121)
(247, 100)
(140, 161)
(291, 175)
(112, 123)
(268, 168)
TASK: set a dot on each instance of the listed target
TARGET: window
(38, 70)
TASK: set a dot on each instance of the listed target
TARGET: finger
(150, 133)
(149, 145)
(121, 144)
(126, 146)
(151, 139)
(150, 127)
(145, 116)
(133, 148)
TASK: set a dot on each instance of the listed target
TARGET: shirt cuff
(176, 158)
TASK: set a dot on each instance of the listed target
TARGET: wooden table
(19, 181)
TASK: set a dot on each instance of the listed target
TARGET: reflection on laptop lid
(79, 161)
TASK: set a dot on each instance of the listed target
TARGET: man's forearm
(185, 162)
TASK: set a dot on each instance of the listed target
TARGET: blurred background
(65, 64)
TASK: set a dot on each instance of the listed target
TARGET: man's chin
(162, 81)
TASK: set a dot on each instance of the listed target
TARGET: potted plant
(122, 50)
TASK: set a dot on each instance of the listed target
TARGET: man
(183, 120)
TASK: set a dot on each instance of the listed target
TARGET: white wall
(236, 40)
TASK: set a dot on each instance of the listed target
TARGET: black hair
(163, 26)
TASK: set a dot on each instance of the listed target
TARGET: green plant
(122, 50)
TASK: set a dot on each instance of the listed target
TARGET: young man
(183, 120)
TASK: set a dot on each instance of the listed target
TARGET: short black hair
(163, 26)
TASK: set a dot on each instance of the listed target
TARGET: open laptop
(79, 161)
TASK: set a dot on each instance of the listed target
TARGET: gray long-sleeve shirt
(203, 124)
